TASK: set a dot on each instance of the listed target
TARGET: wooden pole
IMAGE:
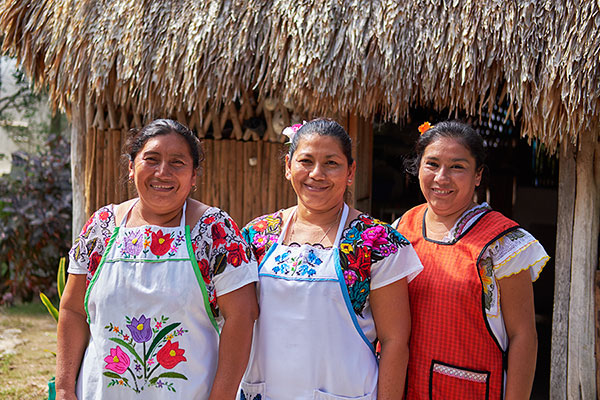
(567, 178)
(581, 364)
(78, 167)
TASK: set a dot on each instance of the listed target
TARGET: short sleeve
(222, 253)
(88, 248)
(400, 261)
(515, 252)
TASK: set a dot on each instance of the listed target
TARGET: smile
(161, 187)
(316, 188)
(440, 191)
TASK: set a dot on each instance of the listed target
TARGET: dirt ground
(27, 338)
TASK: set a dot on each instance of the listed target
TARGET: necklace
(326, 232)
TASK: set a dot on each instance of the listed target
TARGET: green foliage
(35, 218)
(60, 284)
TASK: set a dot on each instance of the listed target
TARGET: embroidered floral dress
(316, 330)
(151, 304)
(514, 252)
(224, 258)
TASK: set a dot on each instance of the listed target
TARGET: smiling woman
(161, 293)
(332, 281)
(473, 322)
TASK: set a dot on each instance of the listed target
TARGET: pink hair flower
(290, 131)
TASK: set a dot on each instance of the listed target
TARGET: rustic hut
(238, 71)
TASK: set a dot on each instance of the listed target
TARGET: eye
(178, 162)
(458, 166)
(305, 161)
(432, 164)
(151, 159)
(332, 163)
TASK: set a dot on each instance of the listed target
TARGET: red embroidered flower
(236, 254)
(87, 225)
(204, 270)
(218, 234)
(161, 243)
(235, 227)
(170, 355)
(103, 215)
(259, 253)
(194, 247)
(209, 220)
(367, 220)
(260, 226)
(94, 262)
(360, 262)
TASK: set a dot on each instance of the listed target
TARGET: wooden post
(361, 132)
(78, 167)
(581, 364)
(562, 281)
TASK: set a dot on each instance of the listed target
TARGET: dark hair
(324, 127)
(138, 138)
(460, 131)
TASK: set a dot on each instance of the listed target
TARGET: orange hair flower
(424, 127)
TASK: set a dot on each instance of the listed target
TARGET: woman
(331, 281)
(148, 296)
(473, 321)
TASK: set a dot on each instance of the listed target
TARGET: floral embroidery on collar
(150, 243)
(465, 221)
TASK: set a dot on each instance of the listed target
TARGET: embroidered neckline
(465, 221)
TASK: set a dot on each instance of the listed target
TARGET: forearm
(521, 366)
(234, 351)
(72, 340)
(392, 370)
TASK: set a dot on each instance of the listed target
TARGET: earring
(349, 180)
(194, 188)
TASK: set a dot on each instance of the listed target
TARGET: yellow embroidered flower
(346, 247)
(271, 221)
(170, 336)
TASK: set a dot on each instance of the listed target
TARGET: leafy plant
(60, 286)
(35, 217)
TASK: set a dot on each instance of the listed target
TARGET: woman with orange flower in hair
(473, 321)
(331, 280)
(160, 300)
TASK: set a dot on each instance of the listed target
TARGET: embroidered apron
(453, 352)
(151, 335)
(307, 343)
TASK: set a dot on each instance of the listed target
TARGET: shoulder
(195, 211)
(414, 214)
(266, 224)
(371, 232)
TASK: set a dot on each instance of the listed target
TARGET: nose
(317, 171)
(442, 175)
(163, 169)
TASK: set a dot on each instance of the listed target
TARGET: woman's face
(448, 177)
(319, 172)
(163, 173)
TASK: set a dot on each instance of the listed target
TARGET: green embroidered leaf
(60, 280)
(51, 309)
(220, 263)
(128, 347)
(171, 375)
(161, 335)
(153, 380)
(112, 375)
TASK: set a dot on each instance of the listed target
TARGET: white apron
(307, 343)
(153, 335)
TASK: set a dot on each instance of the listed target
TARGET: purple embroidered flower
(350, 277)
(133, 243)
(159, 383)
(374, 237)
(138, 367)
(180, 331)
(140, 329)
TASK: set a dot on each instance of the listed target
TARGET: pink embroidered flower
(350, 277)
(158, 325)
(374, 237)
(103, 215)
(118, 361)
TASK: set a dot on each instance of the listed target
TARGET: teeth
(161, 187)
(442, 191)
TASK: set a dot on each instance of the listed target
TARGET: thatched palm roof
(363, 56)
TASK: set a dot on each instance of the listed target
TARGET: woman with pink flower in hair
(332, 280)
(160, 301)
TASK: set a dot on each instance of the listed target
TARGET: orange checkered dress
(453, 352)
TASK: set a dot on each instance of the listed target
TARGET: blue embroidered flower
(282, 257)
(351, 235)
(358, 295)
(312, 258)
